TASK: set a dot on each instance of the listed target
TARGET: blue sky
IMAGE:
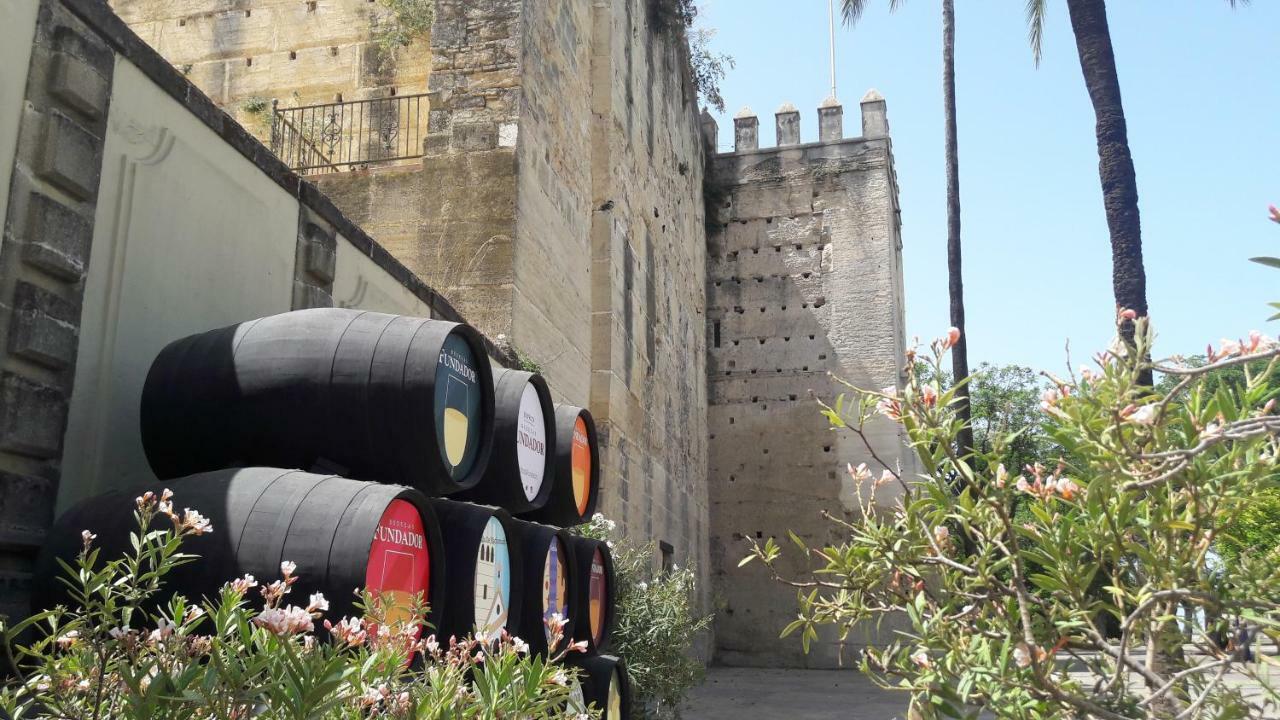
(1201, 86)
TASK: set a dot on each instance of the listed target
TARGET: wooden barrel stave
(329, 388)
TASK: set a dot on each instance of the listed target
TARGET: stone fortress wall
(804, 285)
(559, 205)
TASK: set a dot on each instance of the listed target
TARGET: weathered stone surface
(43, 327)
(32, 417)
(77, 84)
(56, 238)
(804, 285)
(72, 156)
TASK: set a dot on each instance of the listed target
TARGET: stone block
(79, 85)
(56, 238)
(42, 327)
(26, 508)
(71, 157)
(33, 417)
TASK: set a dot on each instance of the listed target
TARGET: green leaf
(1268, 261)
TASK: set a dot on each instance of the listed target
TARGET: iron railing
(346, 135)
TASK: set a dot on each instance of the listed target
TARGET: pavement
(767, 694)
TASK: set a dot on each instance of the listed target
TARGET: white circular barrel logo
(531, 442)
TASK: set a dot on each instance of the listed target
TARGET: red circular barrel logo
(399, 570)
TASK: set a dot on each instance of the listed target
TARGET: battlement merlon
(746, 125)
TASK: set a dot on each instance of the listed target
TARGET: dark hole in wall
(716, 331)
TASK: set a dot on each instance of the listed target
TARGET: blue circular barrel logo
(457, 406)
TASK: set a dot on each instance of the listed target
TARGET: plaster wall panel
(188, 236)
(359, 283)
(17, 28)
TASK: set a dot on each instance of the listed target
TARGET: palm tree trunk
(1115, 163)
(955, 281)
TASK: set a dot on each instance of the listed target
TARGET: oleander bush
(657, 623)
(1104, 598)
(240, 656)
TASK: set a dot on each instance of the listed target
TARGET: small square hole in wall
(755, 251)
(761, 309)
(784, 307)
(777, 248)
(786, 338)
(293, 54)
(730, 421)
(804, 306)
(337, 98)
(182, 22)
(333, 51)
(806, 275)
(733, 363)
(393, 92)
(753, 372)
(713, 436)
(826, 448)
(810, 337)
(248, 13)
(765, 407)
(755, 398)
(799, 246)
(804, 369)
(792, 396)
(733, 478)
(766, 451)
(311, 6)
(248, 62)
(822, 357)
(831, 475)
(759, 535)
(819, 302)
(761, 341)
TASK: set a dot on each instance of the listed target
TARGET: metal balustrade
(346, 135)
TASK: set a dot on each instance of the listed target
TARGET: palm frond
(851, 11)
(1036, 10)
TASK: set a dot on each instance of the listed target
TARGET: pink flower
(1128, 314)
(241, 585)
(929, 395)
(1275, 213)
(1022, 485)
(317, 603)
(1021, 656)
(87, 538)
(941, 534)
(1145, 415)
(922, 659)
(889, 405)
(952, 337)
(351, 631)
(289, 620)
(66, 641)
(287, 568)
(1002, 475)
(886, 477)
(195, 522)
(860, 473)
(1049, 401)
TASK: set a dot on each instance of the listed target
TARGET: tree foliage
(1012, 622)
(657, 622)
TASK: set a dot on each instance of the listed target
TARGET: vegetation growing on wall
(657, 623)
(707, 67)
(406, 22)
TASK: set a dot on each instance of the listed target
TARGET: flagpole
(831, 23)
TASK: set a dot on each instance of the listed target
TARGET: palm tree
(1115, 162)
(852, 11)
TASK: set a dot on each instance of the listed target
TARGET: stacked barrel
(427, 476)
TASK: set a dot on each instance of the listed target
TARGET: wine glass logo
(456, 423)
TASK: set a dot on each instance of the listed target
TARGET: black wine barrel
(550, 584)
(343, 535)
(381, 397)
(576, 485)
(482, 564)
(595, 611)
(605, 686)
(522, 463)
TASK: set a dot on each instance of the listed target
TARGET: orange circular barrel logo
(581, 464)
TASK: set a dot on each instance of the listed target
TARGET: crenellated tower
(804, 286)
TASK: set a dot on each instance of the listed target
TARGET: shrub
(222, 659)
(1010, 614)
(656, 625)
